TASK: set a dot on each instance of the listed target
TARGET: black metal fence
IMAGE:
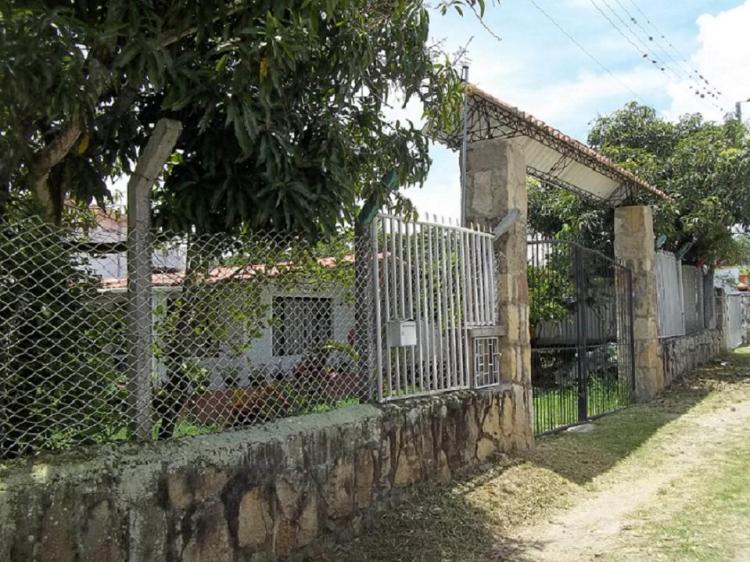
(581, 314)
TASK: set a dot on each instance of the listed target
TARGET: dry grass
(465, 520)
(476, 517)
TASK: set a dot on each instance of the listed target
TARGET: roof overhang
(552, 156)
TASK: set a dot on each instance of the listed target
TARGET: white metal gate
(435, 309)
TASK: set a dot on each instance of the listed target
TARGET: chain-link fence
(227, 332)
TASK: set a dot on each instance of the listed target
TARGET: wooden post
(150, 164)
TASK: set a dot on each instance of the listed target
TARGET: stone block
(57, 539)
(507, 415)
(179, 492)
(364, 476)
(289, 489)
(492, 425)
(469, 433)
(443, 468)
(284, 537)
(408, 466)
(254, 523)
(485, 449)
(340, 488)
(97, 541)
(308, 521)
(209, 541)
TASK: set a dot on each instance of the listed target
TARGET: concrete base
(271, 492)
(682, 354)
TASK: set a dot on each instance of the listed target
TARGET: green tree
(282, 106)
(281, 101)
(704, 168)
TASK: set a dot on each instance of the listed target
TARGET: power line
(695, 73)
(678, 65)
(584, 49)
(701, 91)
(643, 49)
(650, 37)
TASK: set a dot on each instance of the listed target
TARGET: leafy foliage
(54, 356)
(552, 292)
(559, 214)
(281, 102)
(704, 167)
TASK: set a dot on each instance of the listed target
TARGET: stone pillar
(634, 246)
(496, 184)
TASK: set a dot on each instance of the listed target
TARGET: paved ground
(668, 480)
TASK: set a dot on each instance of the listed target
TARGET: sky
(537, 68)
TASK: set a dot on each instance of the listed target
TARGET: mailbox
(401, 333)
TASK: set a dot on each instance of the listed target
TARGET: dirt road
(667, 480)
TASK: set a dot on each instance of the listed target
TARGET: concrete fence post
(150, 164)
(634, 247)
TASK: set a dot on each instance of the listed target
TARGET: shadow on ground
(438, 523)
(473, 518)
(580, 457)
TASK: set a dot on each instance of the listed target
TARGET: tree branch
(49, 157)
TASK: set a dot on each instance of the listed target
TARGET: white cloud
(723, 57)
(578, 100)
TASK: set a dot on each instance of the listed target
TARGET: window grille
(301, 323)
(486, 361)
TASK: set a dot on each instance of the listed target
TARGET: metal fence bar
(439, 276)
(374, 233)
(421, 327)
(460, 317)
(465, 303)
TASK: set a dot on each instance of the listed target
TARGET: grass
(710, 525)
(478, 516)
(559, 407)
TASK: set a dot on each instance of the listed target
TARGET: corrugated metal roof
(552, 156)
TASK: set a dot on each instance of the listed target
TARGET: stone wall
(684, 353)
(264, 493)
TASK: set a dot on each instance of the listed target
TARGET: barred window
(301, 324)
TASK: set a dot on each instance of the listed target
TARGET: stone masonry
(682, 354)
(267, 493)
(496, 184)
(634, 246)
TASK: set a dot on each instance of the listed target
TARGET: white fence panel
(436, 282)
(669, 297)
(734, 322)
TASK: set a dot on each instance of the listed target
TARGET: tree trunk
(42, 164)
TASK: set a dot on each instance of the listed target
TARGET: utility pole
(738, 109)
